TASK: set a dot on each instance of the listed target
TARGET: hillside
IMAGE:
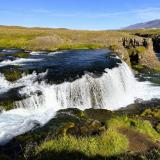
(54, 39)
(47, 39)
(146, 25)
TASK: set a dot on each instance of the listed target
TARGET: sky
(78, 14)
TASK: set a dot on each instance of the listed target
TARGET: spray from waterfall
(116, 88)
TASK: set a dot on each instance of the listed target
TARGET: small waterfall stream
(115, 88)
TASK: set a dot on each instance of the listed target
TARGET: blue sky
(78, 14)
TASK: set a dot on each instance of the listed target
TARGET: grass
(109, 144)
(17, 55)
(7, 105)
(56, 39)
(151, 113)
(124, 137)
(137, 50)
(142, 126)
(140, 49)
(12, 75)
(144, 31)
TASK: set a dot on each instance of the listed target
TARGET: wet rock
(11, 95)
(1, 109)
(138, 108)
(99, 114)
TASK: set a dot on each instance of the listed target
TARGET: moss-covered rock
(152, 113)
(16, 55)
(7, 105)
(99, 114)
(158, 128)
(12, 74)
(141, 126)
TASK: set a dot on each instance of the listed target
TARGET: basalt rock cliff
(139, 51)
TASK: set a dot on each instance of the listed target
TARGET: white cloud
(148, 13)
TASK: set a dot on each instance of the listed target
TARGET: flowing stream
(71, 79)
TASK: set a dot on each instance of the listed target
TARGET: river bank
(68, 104)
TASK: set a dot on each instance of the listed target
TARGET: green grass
(142, 126)
(140, 49)
(21, 55)
(152, 113)
(113, 47)
(7, 105)
(144, 31)
(17, 55)
(109, 144)
(56, 39)
(12, 75)
(137, 50)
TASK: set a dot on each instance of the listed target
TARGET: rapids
(112, 87)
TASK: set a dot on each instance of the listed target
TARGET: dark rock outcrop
(138, 51)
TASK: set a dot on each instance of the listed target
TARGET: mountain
(146, 25)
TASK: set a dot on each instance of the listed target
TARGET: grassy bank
(54, 39)
(77, 135)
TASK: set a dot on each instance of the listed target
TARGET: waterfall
(116, 88)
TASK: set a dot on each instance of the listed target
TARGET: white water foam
(18, 61)
(116, 88)
(56, 52)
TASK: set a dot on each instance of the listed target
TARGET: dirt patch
(138, 142)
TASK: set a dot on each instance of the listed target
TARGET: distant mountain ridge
(146, 25)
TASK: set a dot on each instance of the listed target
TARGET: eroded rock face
(155, 38)
(137, 51)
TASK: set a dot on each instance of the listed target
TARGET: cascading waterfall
(116, 88)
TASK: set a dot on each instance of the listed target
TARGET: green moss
(157, 69)
(21, 55)
(99, 114)
(142, 126)
(79, 46)
(7, 105)
(131, 51)
(113, 47)
(152, 113)
(139, 68)
(12, 75)
(17, 55)
(140, 49)
(158, 128)
(137, 50)
(110, 143)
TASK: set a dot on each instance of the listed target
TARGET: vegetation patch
(113, 47)
(56, 39)
(16, 55)
(152, 113)
(21, 55)
(108, 144)
(136, 50)
(142, 126)
(12, 74)
(7, 105)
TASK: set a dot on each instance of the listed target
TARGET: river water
(68, 79)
